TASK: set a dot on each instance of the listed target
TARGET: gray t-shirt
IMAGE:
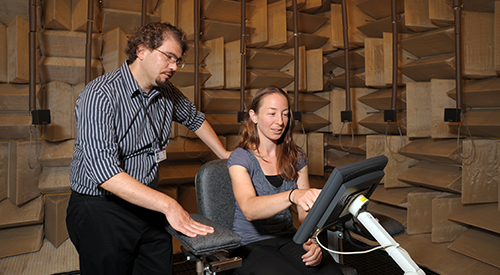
(280, 224)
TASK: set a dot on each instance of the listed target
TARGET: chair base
(214, 262)
(222, 262)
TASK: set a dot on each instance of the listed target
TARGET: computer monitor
(345, 182)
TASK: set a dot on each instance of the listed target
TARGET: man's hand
(181, 221)
(313, 255)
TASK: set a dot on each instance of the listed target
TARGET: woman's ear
(253, 116)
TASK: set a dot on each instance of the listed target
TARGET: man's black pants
(113, 236)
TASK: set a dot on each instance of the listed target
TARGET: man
(115, 217)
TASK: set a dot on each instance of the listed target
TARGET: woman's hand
(313, 255)
(305, 198)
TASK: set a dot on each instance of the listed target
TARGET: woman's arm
(255, 207)
(313, 255)
(262, 207)
(304, 197)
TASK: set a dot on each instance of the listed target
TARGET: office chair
(216, 206)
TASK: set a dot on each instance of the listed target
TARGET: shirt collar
(131, 85)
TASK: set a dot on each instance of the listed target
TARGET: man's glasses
(180, 63)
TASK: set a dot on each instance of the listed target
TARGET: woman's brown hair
(287, 152)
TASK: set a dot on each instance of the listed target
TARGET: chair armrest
(221, 239)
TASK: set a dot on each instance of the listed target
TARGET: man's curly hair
(152, 36)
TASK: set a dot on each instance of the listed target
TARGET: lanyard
(160, 140)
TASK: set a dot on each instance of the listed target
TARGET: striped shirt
(119, 127)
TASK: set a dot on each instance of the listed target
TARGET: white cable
(354, 252)
(458, 138)
(304, 134)
(36, 146)
(400, 135)
(184, 147)
(352, 137)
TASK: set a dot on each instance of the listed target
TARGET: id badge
(160, 154)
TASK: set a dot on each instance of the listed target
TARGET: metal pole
(197, 54)
(394, 55)
(296, 55)
(243, 56)
(144, 12)
(32, 56)
(88, 46)
(346, 57)
(458, 51)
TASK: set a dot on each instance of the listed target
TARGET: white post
(398, 254)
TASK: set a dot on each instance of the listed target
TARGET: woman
(269, 174)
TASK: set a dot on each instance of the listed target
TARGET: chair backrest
(214, 192)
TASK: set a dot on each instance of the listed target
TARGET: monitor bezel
(343, 184)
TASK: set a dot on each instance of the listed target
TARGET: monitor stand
(357, 208)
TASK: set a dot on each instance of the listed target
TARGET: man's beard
(161, 84)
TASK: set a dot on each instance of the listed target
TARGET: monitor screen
(345, 182)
